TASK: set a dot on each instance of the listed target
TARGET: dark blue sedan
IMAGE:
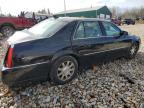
(56, 49)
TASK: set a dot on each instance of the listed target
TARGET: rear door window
(92, 29)
(88, 29)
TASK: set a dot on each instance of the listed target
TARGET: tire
(132, 51)
(64, 70)
(7, 31)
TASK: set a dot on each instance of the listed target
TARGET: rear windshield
(47, 27)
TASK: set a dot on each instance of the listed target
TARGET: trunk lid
(21, 36)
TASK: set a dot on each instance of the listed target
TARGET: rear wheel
(64, 70)
(7, 30)
(133, 51)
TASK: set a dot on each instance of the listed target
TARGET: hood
(22, 36)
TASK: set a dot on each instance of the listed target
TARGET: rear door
(87, 42)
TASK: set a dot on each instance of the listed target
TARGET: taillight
(9, 62)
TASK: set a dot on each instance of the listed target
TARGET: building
(93, 12)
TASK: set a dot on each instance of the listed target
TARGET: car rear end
(24, 57)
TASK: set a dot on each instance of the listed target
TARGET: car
(116, 21)
(8, 25)
(129, 21)
(57, 49)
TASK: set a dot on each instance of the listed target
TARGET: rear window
(47, 27)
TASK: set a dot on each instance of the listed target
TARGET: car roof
(70, 19)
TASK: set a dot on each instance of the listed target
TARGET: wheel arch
(7, 24)
(59, 55)
(136, 42)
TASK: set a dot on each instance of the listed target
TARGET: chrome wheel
(133, 50)
(65, 70)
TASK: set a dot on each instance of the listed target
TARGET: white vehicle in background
(37, 16)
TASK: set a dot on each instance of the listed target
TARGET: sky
(16, 6)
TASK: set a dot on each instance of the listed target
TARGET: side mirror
(123, 33)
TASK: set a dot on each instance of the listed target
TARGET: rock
(16, 98)
(84, 101)
(81, 86)
(55, 100)
(25, 93)
(93, 103)
(66, 106)
(142, 105)
(48, 99)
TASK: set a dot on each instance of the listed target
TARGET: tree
(43, 11)
(127, 13)
(133, 13)
(48, 12)
(116, 12)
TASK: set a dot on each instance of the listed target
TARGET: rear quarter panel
(43, 50)
(33, 59)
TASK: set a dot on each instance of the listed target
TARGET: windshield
(47, 27)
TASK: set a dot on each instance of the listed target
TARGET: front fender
(137, 40)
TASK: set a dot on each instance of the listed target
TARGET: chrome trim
(85, 38)
(105, 51)
(4, 68)
(94, 37)
(24, 66)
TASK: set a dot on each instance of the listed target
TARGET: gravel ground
(119, 84)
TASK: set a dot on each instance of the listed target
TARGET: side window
(92, 29)
(80, 32)
(88, 30)
(111, 29)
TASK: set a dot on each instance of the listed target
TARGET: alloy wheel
(133, 50)
(66, 70)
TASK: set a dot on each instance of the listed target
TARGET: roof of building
(80, 19)
(81, 10)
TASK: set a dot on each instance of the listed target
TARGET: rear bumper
(4, 79)
(34, 72)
